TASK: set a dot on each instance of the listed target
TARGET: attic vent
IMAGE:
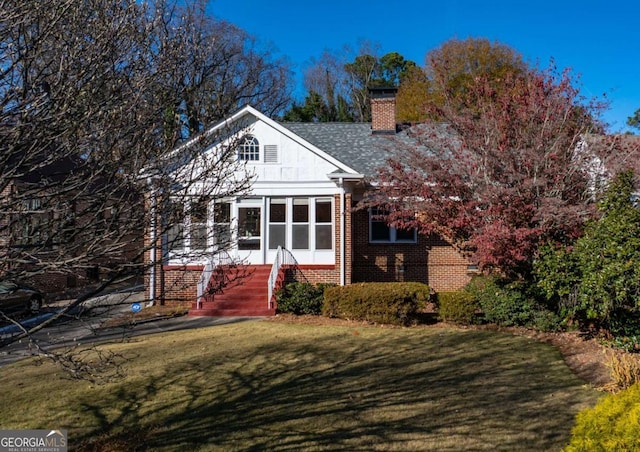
(270, 153)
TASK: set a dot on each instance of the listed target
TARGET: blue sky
(600, 40)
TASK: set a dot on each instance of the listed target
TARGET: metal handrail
(218, 258)
(283, 257)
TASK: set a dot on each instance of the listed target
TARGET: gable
(284, 156)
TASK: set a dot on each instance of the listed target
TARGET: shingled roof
(351, 143)
(355, 145)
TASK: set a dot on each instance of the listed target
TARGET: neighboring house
(309, 178)
(39, 223)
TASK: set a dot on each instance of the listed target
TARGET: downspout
(152, 251)
(342, 232)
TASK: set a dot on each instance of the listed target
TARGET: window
(277, 223)
(175, 232)
(381, 232)
(222, 224)
(198, 226)
(249, 149)
(300, 229)
(188, 225)
(324, 237)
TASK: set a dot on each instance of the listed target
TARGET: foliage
(411, 97)
(301, 298)
(611, 425)
(395, 303)
(314, 109)
(634, 121)
(451, 71)
(458, 307)
(600, 275)
(545, 319)
(338, 84)
(502, 302)
(625, 370)
(557, 277)
(208, 68)
(609, 254)
(505, 174)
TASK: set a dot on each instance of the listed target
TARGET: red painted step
(237, 291)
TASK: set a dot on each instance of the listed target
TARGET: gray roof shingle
(351, 143)
(354, 145)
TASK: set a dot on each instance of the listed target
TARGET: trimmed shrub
(546, 320)
(394, 303)
(301, 298)
(457, 307)
(611, 425)
(504, 304)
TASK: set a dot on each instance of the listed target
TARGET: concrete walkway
(86, 330)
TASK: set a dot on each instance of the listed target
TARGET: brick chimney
(383, 110)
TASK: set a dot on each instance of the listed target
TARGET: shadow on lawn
(409, 391)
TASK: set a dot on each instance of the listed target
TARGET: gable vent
(270, 153)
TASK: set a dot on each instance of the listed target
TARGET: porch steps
(238, 291)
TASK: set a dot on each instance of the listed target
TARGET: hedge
(393, 303)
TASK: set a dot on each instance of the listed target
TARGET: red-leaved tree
(507, 170)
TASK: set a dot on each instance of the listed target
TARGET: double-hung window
(381, 232)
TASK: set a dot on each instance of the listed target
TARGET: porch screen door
(249, 235)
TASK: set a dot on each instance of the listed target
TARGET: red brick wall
(180, 283)
(431, 260)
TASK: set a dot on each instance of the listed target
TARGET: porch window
(187, 229)
(249, 149)
(198, 224)
(175, 229)
(277, 223)
(222, 225)
(300, 230)
(381, 232)
(324, 237)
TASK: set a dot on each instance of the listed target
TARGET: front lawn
(262, 385)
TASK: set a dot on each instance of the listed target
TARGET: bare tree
(95, 94)
(209, 68)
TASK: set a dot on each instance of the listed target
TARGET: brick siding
(383, 114)
(431, 260)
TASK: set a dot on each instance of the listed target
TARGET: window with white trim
(222, 224)
(324, 224)
(198, 225)
(277, 223)
(300, 227)
(187, 228)
(381, 232)
(301, 223)
(249, 149)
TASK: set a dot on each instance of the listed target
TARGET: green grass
(263, 385)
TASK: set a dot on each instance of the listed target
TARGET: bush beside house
(393, 303)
